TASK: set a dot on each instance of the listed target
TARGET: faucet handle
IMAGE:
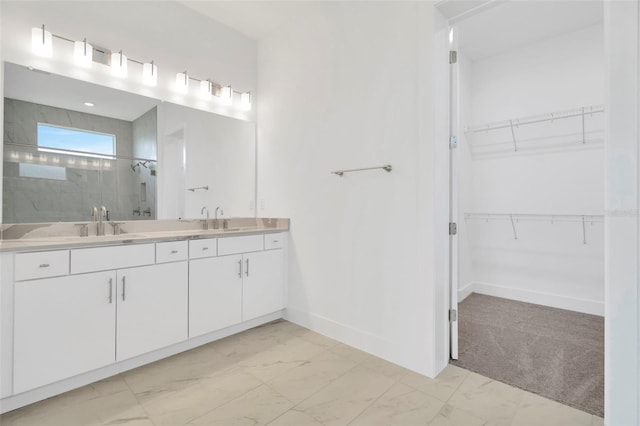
(116, 227)
(84, 229)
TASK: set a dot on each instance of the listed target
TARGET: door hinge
(453, 57)
(453, 228)
(453, 315)
(453, 142)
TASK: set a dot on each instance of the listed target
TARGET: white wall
(350, 87)
(548, 263)
(622, 323)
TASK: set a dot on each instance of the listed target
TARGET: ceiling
(54, 90)
(254, 18)
(490, 28)
(486, 27)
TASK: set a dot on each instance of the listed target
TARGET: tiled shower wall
(89, 181)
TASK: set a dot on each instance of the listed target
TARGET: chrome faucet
(101, 217)
(205, 225)
(94, 215)
(216, 225)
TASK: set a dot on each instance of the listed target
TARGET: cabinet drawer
(172, 251)
(42, 264)
(203, 248)
(105, 258)
(243, 244)
(274, 241)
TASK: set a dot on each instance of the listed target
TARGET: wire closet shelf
(571, 128)
(515, 218)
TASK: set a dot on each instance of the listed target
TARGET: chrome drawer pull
(124, 287)
(275, 241)
(174, 251)
(240, 268)
(44, 265)
(110, 290)
(205, 248)
(247, 271)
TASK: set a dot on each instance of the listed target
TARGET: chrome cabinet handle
(124, 287)
(205, 248)
(110, 290)
(174, 251)
(275, 241)
(247, 271)
(44, 265)
(240, 268)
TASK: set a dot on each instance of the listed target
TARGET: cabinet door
(263, 287)
(152, 308)
(215, 293)
(63, 326)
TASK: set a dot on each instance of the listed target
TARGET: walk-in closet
(528, 183)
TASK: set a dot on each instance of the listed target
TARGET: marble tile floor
(282, 374)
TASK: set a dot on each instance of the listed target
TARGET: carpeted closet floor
(555, 353)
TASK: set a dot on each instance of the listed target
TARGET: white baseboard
(576, 304)
(346, 334)
(465, 291)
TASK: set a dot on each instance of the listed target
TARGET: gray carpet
(554, 353)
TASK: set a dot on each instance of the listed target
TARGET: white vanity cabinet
(72, 316)
(243, 282)
(152, 308)
(215, 293)
(62, 327)
(68, 325)
(263, 283)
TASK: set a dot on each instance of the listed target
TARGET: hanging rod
(386, 167)
(575, 112)
(205, 188)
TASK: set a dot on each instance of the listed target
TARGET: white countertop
(56, 242)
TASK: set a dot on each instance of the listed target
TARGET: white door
(63, 326)
(263, 286)
(215, 293)
(152, 308)
(453, 193)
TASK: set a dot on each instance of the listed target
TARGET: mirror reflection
(71, 145)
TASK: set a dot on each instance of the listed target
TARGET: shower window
(61, 139)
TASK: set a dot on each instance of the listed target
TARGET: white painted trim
(29, 397)
(576, 304)
(464, 292)
(351, 336)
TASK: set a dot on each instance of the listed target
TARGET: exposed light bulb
(226, 95)
(205, 89)
(119, 64)
(41, 42)
(83, 53)
(150, 74)
(245, 101)
(182, 82)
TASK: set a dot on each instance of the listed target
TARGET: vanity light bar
(85, 54)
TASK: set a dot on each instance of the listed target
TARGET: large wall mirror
(70, 145)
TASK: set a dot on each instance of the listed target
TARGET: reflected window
(41, 171)
(61, 139)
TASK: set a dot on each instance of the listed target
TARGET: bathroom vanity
(79, 309)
